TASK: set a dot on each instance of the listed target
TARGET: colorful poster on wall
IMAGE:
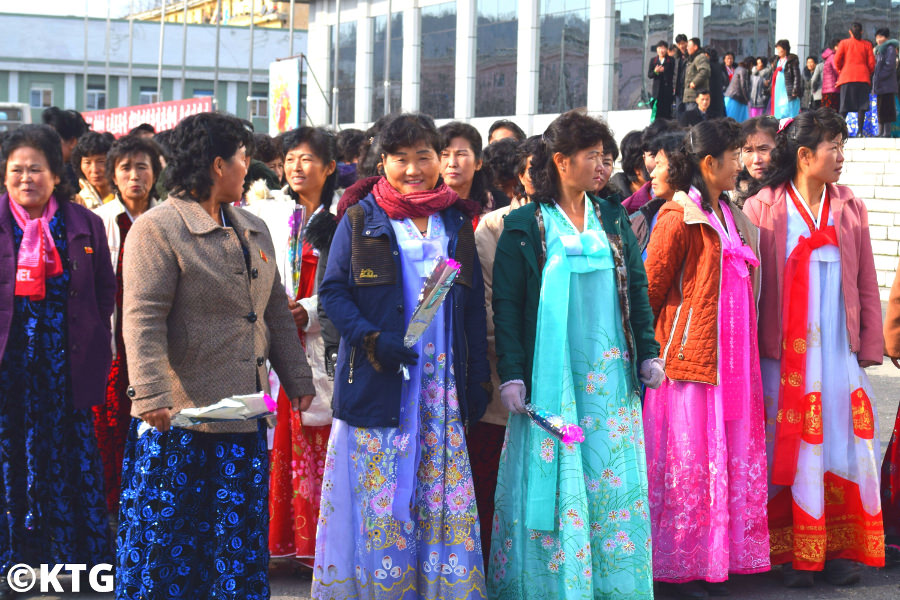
(284, 95)
(161, 115)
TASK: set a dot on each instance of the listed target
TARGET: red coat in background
(855, 61)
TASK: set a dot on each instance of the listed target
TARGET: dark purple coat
(92, 298)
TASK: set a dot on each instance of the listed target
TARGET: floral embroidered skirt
(398, 517)
(194, 516)
(295, 489)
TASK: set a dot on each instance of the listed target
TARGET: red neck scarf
(415, 205)
(799, 413)
(778, 69)
(38, 257)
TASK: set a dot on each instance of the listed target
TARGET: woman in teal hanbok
(574, 334)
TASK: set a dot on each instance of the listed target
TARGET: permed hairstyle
(483, 177)
(507, 124)
(406, 130)
(633, 156)
(501, 158)
(323, 145)
(69, 124)
(569, 133)
(267, 148)
(349, 144)
(766, 124)
(807, 130)
(45, 140)
(194, 145)
(90, 144)
(672, 145)
(707, 138)
(526, 149)
(784, 45)
(131, 146)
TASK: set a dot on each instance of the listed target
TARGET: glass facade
(346, 80)
(563, 55)
(745, 28)
(640, 24)
(438, 60)
(829, 20)
(497, 35)
(378, 62)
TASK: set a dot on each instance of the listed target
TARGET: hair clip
(784, 124)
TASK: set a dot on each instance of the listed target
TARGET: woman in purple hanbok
(398, 517)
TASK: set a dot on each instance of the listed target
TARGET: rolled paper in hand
(433, 294)
(236, 408)
(553, 424)
(295, 252)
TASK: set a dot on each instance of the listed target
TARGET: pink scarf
(415, 205)
(38, 258)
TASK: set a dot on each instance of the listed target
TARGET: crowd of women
(705, 317)
(689, 82)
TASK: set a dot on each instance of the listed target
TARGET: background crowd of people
(690, 84)
(704, 317)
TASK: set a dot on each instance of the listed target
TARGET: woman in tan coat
(204, 309)
(890, 468)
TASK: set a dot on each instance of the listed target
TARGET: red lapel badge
(263, 256)
(88, 250)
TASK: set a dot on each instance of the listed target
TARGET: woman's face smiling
(413, 168)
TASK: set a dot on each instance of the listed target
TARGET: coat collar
(199, 222)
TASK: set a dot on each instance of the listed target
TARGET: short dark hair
(143, 128)
(765, 124)
(349, 144)
(267, 148)
(747, 63)
(834, 42)
(501, 158)
(680, 38)
(856, 30)
(483, 178)
(662, 44)
(763, 59)
(323, 144)
(730, 53)
(632, 156)
(696, 41)
(655, 129)
(69, 124)
(130, 146)
(194, 145)
(883, 31)
(90, 144)
(408, 129)
(163, 139)
(525, 150)
(785, 45)
(807, 130)
(812, 58)
(672, 145)
(45, 140)
(506, 124)
(569, 133)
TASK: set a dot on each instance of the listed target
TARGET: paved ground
(877, 584)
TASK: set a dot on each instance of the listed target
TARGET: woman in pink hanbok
(704, 426)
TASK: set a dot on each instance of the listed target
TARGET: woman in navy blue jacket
(398, 505)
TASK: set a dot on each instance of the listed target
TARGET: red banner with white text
(161, 115)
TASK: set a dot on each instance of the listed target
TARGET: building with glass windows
(529, 60)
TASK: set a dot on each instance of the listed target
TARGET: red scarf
(799, 413)
(38, 257)
(415, 205)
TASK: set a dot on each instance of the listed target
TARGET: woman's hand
(159, 419)
(301, 317)
(302, 403)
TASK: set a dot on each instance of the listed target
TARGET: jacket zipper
(677, 315)
(352, 357)
(684, 337)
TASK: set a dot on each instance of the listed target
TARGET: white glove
(653, 372)
(512, 395)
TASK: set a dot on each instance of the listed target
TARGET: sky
(96, 8)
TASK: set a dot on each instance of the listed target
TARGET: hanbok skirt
(736, 110)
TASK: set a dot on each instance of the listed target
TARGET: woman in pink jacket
(831, 98)
(819, 327)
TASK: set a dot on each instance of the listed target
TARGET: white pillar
(601, 57)
(69, 92)
(464, 102)
(792, 24)
(412, 58)
(13, 89)
(528, 48)
(365, 55)
(689, 18)
(318, 55)
(124, 93)
(231, 97)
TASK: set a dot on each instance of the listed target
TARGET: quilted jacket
(684, 268)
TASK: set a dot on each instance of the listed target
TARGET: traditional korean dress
(398, 519)
(783, 106)
(706, 452)
(821, 426)
(572, 521)
(51, 481)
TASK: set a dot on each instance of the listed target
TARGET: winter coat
(760, 88)
(678, 77)
(855, 61)
(718, 80)
(684, 271)
(768, 211)
(91, 302)
(696, 72)
(363, 293)
(884, 79)
(793, 79)
(662, 82)
(812, 85)
(892, 321)
(739, 88)
(518, 270)
(829, 72)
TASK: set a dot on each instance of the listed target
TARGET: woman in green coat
(574, 334)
